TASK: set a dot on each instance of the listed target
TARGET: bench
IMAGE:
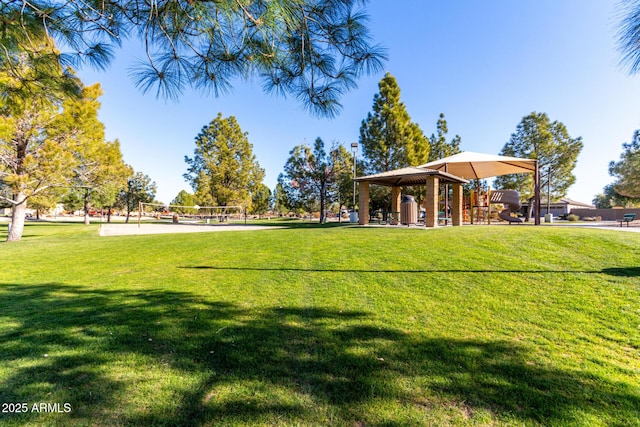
(627, 218)
(443, 219)
(385, 217)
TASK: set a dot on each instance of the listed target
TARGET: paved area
(604, 225)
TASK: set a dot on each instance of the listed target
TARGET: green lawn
(336, 325)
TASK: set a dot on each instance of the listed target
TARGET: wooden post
(395, 199)
(456, 209)
(489, 205)
(536, 195)
(363, 203)
(431, 202)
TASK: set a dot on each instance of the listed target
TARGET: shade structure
(472, 165)
(409, 176)
(428, 178)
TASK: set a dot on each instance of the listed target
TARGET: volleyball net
(193, 214)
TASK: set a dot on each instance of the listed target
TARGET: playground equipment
(511, 201)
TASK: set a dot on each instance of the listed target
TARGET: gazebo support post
(536, 195)
(456, 208)
(431, 202)
(395, 199)
(363, 203)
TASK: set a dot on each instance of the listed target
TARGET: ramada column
(395, 199)
(456, 209)
(431, 202)
(363, 203)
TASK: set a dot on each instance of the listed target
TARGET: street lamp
(354, 149)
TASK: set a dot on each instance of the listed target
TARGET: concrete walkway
(115, 229)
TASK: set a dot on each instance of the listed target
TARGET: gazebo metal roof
(409, 176)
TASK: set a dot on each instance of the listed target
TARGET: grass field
(310, 325)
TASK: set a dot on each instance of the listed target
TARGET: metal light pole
(354, 149)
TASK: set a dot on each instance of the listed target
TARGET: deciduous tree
(36, 140)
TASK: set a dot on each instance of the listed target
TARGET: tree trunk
(323, 195)
(18, 214)
(86, 207)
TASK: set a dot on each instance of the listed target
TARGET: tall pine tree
(389, 139)
(224, 170)
(627, 169)
(537, 137)
(440, 148)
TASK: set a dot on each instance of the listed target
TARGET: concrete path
(115, 229)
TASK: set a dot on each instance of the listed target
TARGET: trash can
(408, 210)
(353, 217)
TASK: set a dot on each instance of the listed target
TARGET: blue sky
(485, 65)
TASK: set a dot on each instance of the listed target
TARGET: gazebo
(454, 170)
(472, 165)
(399, 178)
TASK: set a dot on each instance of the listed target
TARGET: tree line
(51, 146)
(52, 149)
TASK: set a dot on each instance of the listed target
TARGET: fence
(605, 214)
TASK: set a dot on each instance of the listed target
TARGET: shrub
(572, 217)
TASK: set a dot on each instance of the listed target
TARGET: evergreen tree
(98, 168)
(139, 189)
(440, 148)
(536, 137)
(185, 198)
(311, 49)
(629, 35)
(609, 198)
(310, 174)
(261, 200)
(223, 170)
(344, 179)
(389, 139)
(285, 195)
(627, 169)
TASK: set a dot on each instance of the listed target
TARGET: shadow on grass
(623, 271)
(272, 365)
(298, 223)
